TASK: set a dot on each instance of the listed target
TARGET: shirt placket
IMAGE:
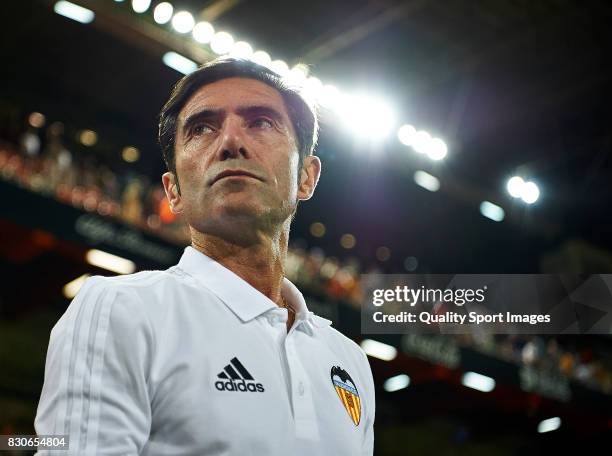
(306, 426)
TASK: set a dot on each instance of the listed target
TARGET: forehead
(231, 93)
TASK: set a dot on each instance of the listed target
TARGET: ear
(309, 177)
(172, 193)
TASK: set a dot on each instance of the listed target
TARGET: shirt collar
(241, 297)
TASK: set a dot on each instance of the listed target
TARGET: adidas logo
(235, 377)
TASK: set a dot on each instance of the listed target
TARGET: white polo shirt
(195, 361)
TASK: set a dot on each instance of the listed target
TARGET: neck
(259, 263)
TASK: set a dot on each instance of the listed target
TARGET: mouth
(233, 173)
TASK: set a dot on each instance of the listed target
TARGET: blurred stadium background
(457, 137)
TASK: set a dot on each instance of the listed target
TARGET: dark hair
(301, 111)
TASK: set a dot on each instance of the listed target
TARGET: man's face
(237, 159)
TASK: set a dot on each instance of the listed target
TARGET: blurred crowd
(42, 162)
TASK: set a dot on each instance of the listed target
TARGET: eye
(262, 122)
(200, 129)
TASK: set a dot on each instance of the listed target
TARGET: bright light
(312, 88)
(329, 96)
(437, 149)
(241, 50)
(378, 349)
(74, 12)
(280, 67)
(427, 181)
(109, 261)
(140, 6)
(262, 58)
(203, 32)
(314, 85)
(396, 383)
(527, 191)
(515, 186)
(221, 43)
(37, 120)
(72, 288)
(130, 154)
(348, 241)
(530, 193)
(317, 229)
(179, 63)
(406, 134)
(421, 142)
(367, 117)
(88, 137)
(163, 13)
(478, 382)
(183, 22)
(551, 424)
(492, 211)
(298, 74)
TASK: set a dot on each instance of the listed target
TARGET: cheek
(190, 175)
(291, 173)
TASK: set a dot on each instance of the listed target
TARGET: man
(219, 354)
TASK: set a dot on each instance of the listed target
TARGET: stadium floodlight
(478, 382)
(163, 13)
(280, 67)
(330, 96)
(396, 383)
(366, 116)
(492, 211)
(74, 12)
(421, 142)
(427, 181)
(313, 88)
(519, 188)
(71, 289)
(298, 74)
(109, 261)
(140, 6)
(262, 58)
(179, 63)
(221, 43)
(515, 186)
(183, 22)
(437, 150)
(203, 32)
(314, 85)
(530, 193)
(551, 424)
(405, 134)
(241, 50)
(378, 349)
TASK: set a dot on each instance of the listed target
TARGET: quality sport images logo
(235, 377)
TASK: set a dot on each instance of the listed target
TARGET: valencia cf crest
(347, 392)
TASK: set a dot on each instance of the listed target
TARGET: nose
(232, 140)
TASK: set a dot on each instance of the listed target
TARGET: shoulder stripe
(82, 360)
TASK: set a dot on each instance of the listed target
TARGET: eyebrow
(198, 116)
(243, 111)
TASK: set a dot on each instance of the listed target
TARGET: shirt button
(301, 389)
